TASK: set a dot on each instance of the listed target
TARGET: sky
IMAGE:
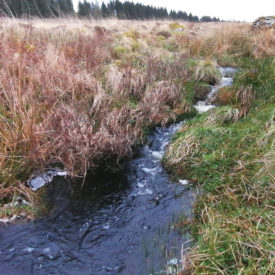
(239, 10)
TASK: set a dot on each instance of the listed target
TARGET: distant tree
(105, 11)
(119, 9)
(216, 19)
(111, 8)
(95, 10)
(84, 9)
(206, 19)
(69, 7)
(40, 8)
(196, 19)
(190, 17)
(116, 8)
(173, 14)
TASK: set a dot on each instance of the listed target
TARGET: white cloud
(243, 10)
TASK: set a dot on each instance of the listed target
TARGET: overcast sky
(243, 10)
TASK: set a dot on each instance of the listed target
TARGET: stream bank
(123, 224)
(229, 154)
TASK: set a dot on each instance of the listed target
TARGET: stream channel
(118, 223)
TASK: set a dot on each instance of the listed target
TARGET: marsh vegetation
(79, 94)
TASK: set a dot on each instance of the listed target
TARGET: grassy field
(77, 94)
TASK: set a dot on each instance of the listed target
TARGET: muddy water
(118, 223)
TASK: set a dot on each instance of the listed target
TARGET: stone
(184, 182)
(50, 251)
(179, 29)
(267, 22)
(34, 241)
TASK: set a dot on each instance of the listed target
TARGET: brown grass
(221, 40)
(74, 92)
(63, 100)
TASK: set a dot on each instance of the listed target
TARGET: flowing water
(227, 74)
(118, 223)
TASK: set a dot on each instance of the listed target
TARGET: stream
(118, 223)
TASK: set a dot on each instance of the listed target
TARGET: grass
(76, 93)
(229, 152)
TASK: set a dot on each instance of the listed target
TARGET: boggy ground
(74, 93)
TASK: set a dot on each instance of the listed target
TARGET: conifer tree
(116, 8)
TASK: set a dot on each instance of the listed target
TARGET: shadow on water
(118, 223)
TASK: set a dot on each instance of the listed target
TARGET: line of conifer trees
(130, 10)
(39, 8)
(115, 8)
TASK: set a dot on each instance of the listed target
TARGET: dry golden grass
(226, 40)
(74, 92)
(64, 100)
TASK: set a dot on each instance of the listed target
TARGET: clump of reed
(64, 100)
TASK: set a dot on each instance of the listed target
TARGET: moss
(161, 38)
(176, 26)
(133, 34)
(118, 52)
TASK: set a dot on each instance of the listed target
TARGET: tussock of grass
(78, 94)
(206, 71)
(227, 43)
